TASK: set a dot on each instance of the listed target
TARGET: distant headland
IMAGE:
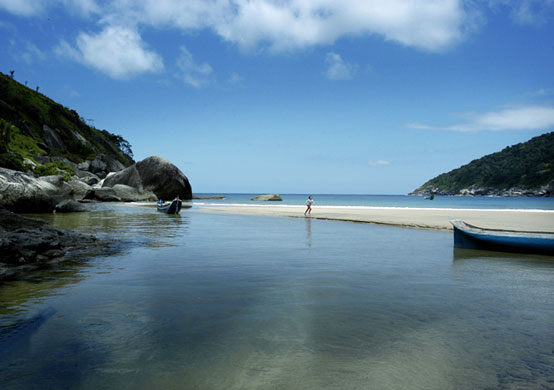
(525, 169)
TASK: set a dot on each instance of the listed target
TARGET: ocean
(217, 301)
(455, 202)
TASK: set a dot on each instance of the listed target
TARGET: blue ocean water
(456, 202)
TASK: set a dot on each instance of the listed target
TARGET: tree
(5, 136)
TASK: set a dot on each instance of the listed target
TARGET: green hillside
(33, 126)
(526, 166)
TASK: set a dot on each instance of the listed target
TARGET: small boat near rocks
(173, 207)
(473, 237)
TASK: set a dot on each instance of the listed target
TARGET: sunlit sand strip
(524, 220)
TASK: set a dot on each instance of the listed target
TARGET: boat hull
(171, 208)
(472, 237)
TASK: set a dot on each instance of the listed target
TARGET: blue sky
(295, 96)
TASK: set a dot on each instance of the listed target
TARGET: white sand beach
(423, 218)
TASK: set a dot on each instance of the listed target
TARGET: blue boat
(473, 237)
(173, 207)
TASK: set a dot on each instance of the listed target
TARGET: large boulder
(54, 180)
(102, 195)
(128, 176)
(26, 194)
(154, 174)
(97, 166)
(91, 179)
(131, 194)
(113, 164)
(70, 206)
(268, 197)
(78, 188)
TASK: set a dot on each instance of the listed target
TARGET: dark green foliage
(29, 111)
(5, 136)
(528, 165)
(55, 168)
(12, 161)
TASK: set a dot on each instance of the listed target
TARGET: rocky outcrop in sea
(544, 191)
(268, 198)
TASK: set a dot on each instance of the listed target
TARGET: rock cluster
(91, 171)
(29, 243)
(148, 180)
(22, 193)
(544, 191)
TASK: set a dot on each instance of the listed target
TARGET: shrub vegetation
(527, 165)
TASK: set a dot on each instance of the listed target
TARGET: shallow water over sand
(210, 301)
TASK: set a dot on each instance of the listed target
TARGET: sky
(295, 96)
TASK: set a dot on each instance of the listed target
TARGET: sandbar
(422, 218)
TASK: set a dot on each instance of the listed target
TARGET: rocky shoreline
(544, 191)
(27, 244)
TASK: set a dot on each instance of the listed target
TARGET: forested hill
(525, 169)
(38, 134)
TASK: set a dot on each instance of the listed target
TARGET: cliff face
(525, 169)
(41, 135)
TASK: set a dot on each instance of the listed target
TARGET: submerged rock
(69, 206)
(208, 196)
(31, 243)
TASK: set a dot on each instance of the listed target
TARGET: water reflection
(140, 224)
(309, 232)
(126, 227)
(241, 303)
(461, 254)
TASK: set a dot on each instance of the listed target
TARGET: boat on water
(173, 207)
(473, 237)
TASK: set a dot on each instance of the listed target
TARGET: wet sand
(423, 218)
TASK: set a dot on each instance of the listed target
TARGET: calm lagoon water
(207, 301)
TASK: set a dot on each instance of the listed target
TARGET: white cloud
(526, 12)
(293, 24)
(82, 7)
(193, 73)
(273, 25)
(378, 163)
(281, 25)
(37, 7)
(284, 25)
(23, 7)
(338, 69)
(116, 51)
(521, 118)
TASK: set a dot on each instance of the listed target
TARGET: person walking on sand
(309, 204)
